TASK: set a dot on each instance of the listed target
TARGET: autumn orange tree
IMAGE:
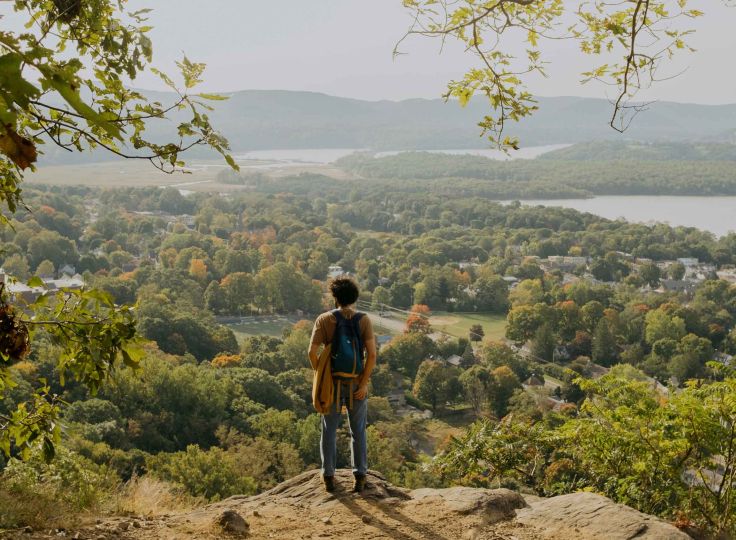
(64, 81)
(418, 319)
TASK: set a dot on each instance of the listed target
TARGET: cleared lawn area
(202, 177)
(261, 326)
(458, 324)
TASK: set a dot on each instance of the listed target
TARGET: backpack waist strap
(349, 383)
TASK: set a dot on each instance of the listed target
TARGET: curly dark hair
(344, 290)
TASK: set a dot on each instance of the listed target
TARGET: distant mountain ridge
(280, 119)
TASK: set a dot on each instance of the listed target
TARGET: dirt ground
(300, 509)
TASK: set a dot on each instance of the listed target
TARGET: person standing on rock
(342, 372)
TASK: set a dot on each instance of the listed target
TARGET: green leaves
(31, 423)
(14, 89)
(500, 75)
(213, 97)
(657, 453)
(35, 281)
(93, 333)
(94, 337)
(78, 54)
(489, 31)
(115, 45)
(191, 72)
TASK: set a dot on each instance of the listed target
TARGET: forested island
(579, 171)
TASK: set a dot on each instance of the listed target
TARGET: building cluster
(68, 280)
(573, 268)
(170, 220)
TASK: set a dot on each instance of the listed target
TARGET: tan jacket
(323, 388)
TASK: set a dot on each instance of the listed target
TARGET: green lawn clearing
(261, 326)
(458, 324)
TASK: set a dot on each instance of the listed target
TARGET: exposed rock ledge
(300, 509)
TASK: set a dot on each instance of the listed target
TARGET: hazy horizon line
(292, 91)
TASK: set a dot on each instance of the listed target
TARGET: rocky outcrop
(300, 509)
(587, 515)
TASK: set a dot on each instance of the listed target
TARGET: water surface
(530, 152)
(714, 214)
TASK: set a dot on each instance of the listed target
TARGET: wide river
(327, 155)
(714, 214)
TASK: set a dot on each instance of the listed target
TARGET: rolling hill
(277, 119)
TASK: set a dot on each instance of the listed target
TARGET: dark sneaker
(329, 482)
(359, 483)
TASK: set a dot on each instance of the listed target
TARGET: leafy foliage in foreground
(671, 454)
(633, 38)
(62, 81)
(92, 336)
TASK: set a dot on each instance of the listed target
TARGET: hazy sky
(343, 47)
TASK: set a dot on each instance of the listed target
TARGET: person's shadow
(417, 531)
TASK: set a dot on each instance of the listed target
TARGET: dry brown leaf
(20, 150)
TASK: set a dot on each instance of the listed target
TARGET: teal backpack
(347, 347)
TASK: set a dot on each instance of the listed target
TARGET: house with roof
(74, 282)
(455, 360)
(688, 262)
(534, 380)
(29, 294)
(678, 285)
(334, 270)
(67, 270)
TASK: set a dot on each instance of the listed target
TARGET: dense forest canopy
(218, 412)
(641, 151)
(582, 170)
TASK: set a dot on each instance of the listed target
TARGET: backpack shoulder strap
(355, 323)
(338, 317)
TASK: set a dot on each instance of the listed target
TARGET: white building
(29, 294)
(334, 271)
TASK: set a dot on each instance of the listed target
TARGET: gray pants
(357, 416)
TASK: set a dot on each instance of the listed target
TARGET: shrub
(38, 494)
(202, 473)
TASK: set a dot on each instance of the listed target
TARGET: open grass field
(201, 174)
(121, 174)
(458, 324)
(261, 326)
